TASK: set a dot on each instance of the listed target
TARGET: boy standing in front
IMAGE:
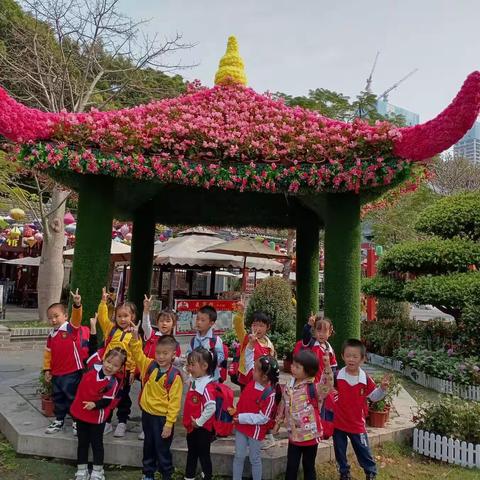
(205, 338)
(160, 401)
(62, 362)
(354, 387)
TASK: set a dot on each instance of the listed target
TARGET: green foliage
(468, 331)
(449, 292)
(450, 417)
(393, 390)
(432, 256)
(386, 287)
(274, 297)
(229, 338)
(388, 309)
(457, 215)
(441, 364)
(396, 223)
(45, 387)
(284, 342)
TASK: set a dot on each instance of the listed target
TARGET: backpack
(224, 364)
(223, 421)
(233, 368)
(84, 337)
(172, 374)
(326, 412)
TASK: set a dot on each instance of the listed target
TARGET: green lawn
(395, 462)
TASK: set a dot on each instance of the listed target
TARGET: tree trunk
(50, 273)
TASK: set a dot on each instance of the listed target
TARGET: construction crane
(368, 86)
(384, 95)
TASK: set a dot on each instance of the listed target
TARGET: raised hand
(252, 338)
(147, 303)
(93, 324)
(133, 329)
(77, 299)
(311, 319)
(104, 294)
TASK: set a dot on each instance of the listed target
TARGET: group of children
(90, 383)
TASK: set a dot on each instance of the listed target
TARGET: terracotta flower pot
(377, 419)
(47, 406)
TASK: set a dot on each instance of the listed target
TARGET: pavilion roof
(232, 137)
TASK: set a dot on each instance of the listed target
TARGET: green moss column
(342, 266)
(307, 265)
(91, 260)
(143, 238)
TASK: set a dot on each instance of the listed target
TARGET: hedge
(432, 256)
(383, 287)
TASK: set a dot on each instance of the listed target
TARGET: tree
(454, 174)
(396, 223)
(442, 268)
(72, 55)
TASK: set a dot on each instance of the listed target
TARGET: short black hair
(261, 317)
(167, 341)
(203, 355)
(210, 311)
(308, 360)
(354, 343)
(58, 305)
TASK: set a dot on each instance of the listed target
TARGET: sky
(293, 46)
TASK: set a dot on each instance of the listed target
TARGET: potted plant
(379, 412)
(45, 391)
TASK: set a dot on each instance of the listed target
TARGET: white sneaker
(108, 429)
(82, 473)
(74, 428)
(97, 474)
(55, 427)
(120, 430)
(141, 435)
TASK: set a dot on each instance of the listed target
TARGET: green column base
(143, 236)
(307, 266)
(342, 266)
(91, 260)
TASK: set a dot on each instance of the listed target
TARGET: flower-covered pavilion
(229, 156)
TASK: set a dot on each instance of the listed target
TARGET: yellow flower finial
(231, 68)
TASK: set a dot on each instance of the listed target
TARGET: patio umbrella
(119, 252)
(245, 247)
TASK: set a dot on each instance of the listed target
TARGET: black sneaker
(55, 427)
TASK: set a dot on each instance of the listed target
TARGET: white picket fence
(467, 392)
(446, 449)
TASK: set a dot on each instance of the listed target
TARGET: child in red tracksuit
(354, 387)
(92, 406)
(199, 411)
(252, 416)
(63, 362)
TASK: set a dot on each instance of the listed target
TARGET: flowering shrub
(441, 364)
(450, 417)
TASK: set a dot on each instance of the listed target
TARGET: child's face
(57, 317)
(353, 358)
(323, 331)
(123, 317)
(258, 375)
(259, 329)
(298, 372)
(164, 355)
(112, 364)
(197, 369)
(165, 325)
(203, 323)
